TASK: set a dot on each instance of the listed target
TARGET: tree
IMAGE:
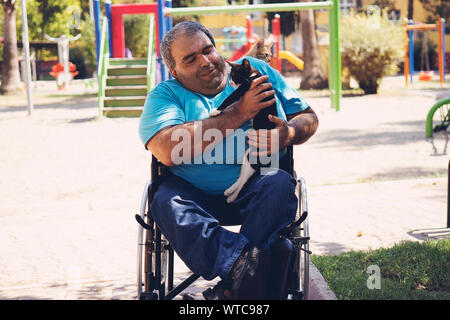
(312, 77)
(437, 9)
(385, 4)
(359, 4)
(410, 9)
(52, 17)
(289, 19)
(11, 76)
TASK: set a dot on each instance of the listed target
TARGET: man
(189, 204)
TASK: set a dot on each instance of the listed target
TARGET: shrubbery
(371, 48)
(82, 52)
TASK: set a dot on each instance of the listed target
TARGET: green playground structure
(332, 6)
(438, 118)
(123, 83)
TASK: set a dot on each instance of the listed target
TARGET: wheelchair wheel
(301, 240)
(147, 259)
(141, 243)
(438, 118)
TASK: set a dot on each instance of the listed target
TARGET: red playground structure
(58, 73)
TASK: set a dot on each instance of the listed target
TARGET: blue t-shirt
(169, 103)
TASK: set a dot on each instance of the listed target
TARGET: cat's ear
(260, 43)
(232, 64)
(270, 41)
(246, 63)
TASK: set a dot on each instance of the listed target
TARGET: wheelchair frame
(155, 255)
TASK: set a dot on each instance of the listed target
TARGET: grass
(409, 271)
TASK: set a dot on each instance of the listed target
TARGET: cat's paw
(231, 189)
(233, 196)
(232, 192)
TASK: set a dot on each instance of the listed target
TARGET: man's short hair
(187, 28)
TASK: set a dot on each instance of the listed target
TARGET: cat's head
(240, 72)
(264, 49)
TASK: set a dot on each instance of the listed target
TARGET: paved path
(70, 186)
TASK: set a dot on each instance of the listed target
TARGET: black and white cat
(243, 74)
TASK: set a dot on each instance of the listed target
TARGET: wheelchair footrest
(307, 251)
(148, 296)
(300, 239)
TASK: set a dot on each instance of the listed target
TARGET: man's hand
(251, 102)
(298, 130)
(262, 139)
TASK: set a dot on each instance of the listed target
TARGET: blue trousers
(191, 220)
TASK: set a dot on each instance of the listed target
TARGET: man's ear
(173, 73)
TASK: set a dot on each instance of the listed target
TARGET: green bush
(82, 52)
(136, 34)
(371, 47)
(76, 57)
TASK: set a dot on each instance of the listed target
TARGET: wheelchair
(155, 256)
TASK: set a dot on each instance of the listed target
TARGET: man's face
(198, 65)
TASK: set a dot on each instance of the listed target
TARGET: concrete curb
(318, 287)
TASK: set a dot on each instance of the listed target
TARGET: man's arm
(162, 144)
(304, 126)
(233, 117)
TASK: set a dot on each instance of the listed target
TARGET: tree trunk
(410, 9)
(11, 76)
(359, 6)
(312, 77)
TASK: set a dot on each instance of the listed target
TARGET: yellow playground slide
(289, 56)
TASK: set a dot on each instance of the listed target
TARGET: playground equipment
(282, 54)
(64, 76)
(409, 54)
(250, 40)
(289, 56)
(117, 28)
(234, 38)
(331, 6)
(112, 70)
(23, 67)
(124, 83)
(278, 55)
(438, 118)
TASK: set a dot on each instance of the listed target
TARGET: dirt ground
(70, 184)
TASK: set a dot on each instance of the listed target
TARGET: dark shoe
(250, 275)
(188, 296)
(221, 291)
(281, 269)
